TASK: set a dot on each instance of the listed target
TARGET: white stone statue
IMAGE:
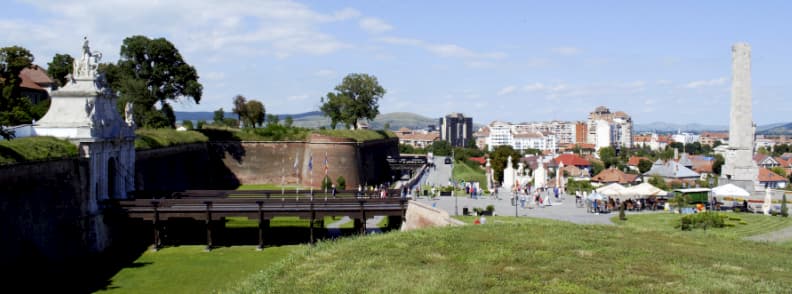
(129, 115)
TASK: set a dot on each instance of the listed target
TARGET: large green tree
(355, 98)
(499, 158)
(60, 67)
(254, 113)
(14, 109)
(608, 156)
(151, 71)
(239, 106)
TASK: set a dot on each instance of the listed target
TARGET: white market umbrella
(643, 189)
(729, 190)
(612, 190)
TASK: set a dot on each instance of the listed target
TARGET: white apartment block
(619, 130)
(520, 137)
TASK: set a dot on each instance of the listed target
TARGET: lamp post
(713, 203)
(453, 188)
(516, 202)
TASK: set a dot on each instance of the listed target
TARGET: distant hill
(663, 127)
(775, 129)
(316, 119)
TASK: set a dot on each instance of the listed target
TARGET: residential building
(653, 141)
(769, 179)
(605, 128)
(671, 170)
(685, 138)
(456, 129)
(520, 137)
(418, 139)
(614, 175)
(481, 137)
(709, 138)
(36, 84)
(580, 132)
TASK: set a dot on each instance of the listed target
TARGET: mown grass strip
(523, 255)
(35, 149)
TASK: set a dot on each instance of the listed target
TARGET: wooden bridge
(261, 205)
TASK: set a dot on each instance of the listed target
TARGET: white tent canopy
(729, 190)
(614, 189)
(642, 190)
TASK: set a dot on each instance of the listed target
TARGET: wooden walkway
(212, 205)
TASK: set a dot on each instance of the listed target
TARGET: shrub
(490, 208)
(158, 138)
(784, 209)
(327, 183)
(35, 148)
(621, 212)
(341, 183)
(703, 220)
(187, 124)
(201, 124)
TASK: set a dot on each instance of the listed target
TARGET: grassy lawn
(526, 255)
(462, 171)
(289, 188)
(754, 224)
(187, 269)
(281, 221)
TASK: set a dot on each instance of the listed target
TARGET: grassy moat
(511, 255)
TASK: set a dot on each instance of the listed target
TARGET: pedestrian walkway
(563, 208)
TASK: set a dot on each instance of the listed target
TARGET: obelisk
(739, 167)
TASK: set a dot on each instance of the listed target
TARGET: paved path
(334, 228)
(563, 209)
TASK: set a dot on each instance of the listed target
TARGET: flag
(325, 163)
(310, 162)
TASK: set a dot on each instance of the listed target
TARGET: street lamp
(453, 189)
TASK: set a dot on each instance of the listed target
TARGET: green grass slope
(531, 256)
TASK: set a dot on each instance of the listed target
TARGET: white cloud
(374, 25)
(280, 28)
(507, 90)
(705, 83)
(663, 82)
(567, 50)
(534, 87)
(443, 50)
(325, 73)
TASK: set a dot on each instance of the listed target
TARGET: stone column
(739, 165)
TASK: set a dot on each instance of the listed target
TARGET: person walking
(334, 191)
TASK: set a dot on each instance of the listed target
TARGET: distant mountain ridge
(397, 120)
(315, 119)
(663, 127)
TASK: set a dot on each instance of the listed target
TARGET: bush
(158, 138)
(201, 124)
(490, 208)
(341, 183)
(784, 209)
(35, 148)
(327, 183)
(187, 124)
(621, 212)
(703, 220)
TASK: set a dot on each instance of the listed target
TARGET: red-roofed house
(614, 175)
(36, 84)
(771, 180)
(572, 159)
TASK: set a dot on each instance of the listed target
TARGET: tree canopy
(14, 109)
(499, 157)
(250, 112)
(60, 67)
(151, 71)
(355, 98)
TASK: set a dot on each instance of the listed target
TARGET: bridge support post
(157, 242)
(261, 226)
(311, 225)
(208, 225)
(362, 218)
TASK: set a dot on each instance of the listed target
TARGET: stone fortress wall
(44, 207)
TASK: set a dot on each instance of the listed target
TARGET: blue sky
(493, 60)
